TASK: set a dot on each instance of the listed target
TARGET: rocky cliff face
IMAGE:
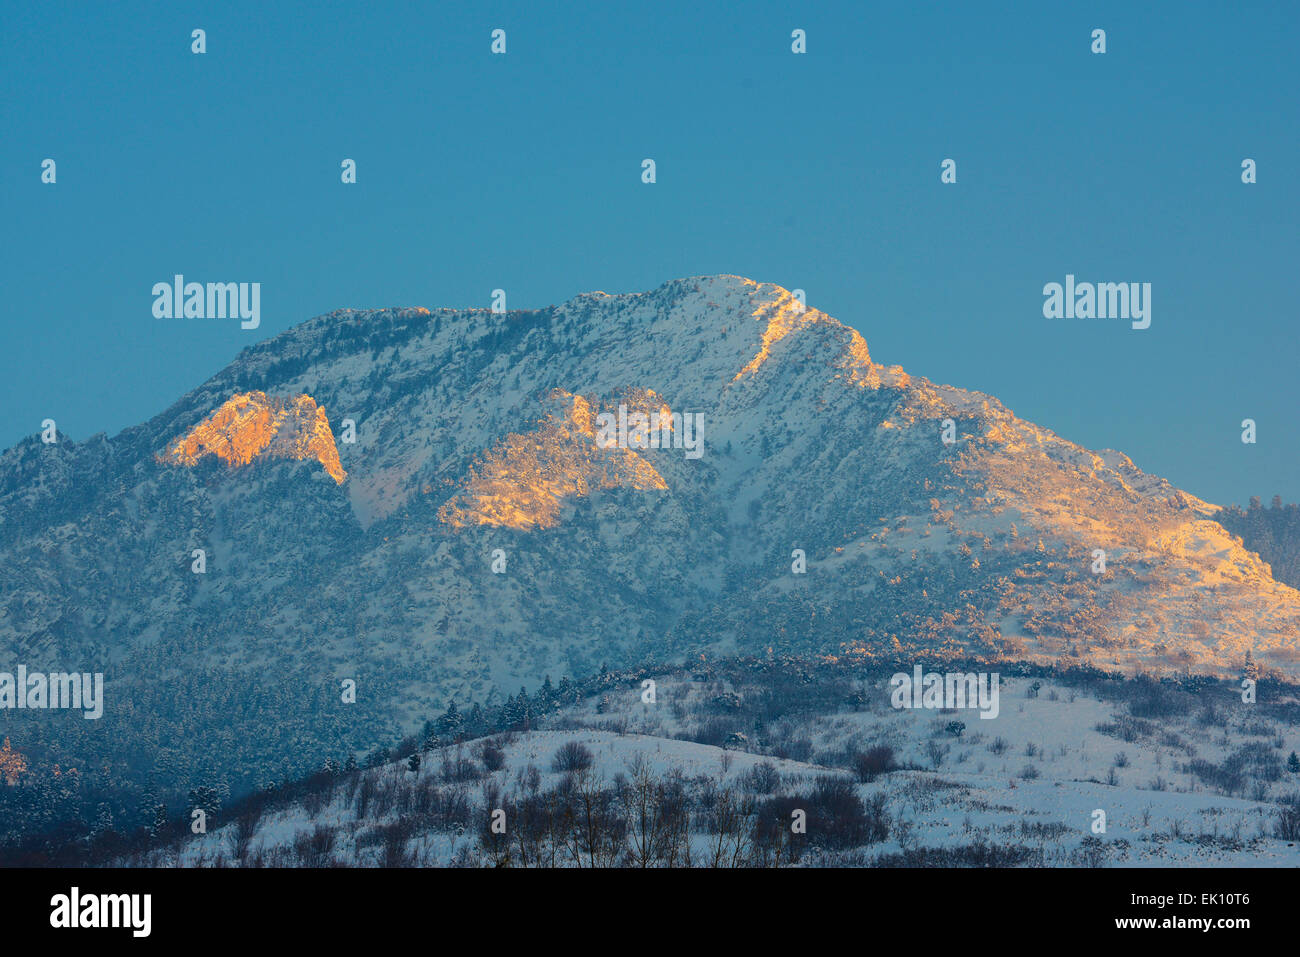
(252, 424)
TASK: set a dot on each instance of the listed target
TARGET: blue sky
(818, 171)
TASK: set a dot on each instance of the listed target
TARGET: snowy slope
(980, 796)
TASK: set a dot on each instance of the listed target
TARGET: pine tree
(567, 692)
(208, 798)
(148, 804)
(475, 724)
(1251, 670)
(545, 695)
(158, 824)
(451, 724)
(1293, 764)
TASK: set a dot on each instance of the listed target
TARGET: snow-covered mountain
(481, 531)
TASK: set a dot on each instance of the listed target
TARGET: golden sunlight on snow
(522, 481)
(786, 315)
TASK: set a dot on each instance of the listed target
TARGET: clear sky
(819, 171)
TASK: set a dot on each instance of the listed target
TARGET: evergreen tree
(208, 798)
(158, 822)
(451, 724)
(545, 695)
(1251, 670)
(149, 802)
(476, 723)
(567, 693)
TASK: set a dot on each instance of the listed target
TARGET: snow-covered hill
(1062, 777)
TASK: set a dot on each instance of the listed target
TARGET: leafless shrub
(870, 764)
(313, 847)
(571, 757)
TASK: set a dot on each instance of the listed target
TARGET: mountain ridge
(982, 545)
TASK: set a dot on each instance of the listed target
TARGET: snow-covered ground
(1040, 780)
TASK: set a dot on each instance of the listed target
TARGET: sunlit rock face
(522, 482)
(252, 425)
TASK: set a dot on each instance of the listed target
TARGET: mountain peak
(252, 425)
